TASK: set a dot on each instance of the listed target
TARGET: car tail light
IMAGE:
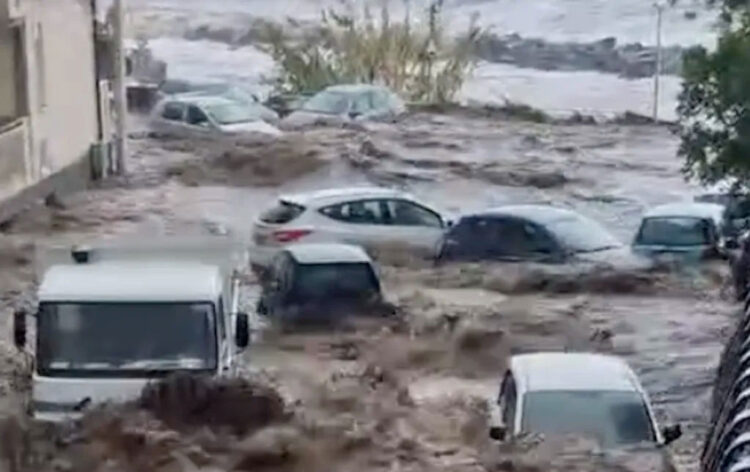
(290, 235)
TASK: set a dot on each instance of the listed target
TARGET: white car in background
(367, 217)
(208, 114)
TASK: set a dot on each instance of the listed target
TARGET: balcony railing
(14, 155)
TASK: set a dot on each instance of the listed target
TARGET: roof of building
(332, 253)
(687, 209)
(572, 371)
(340, 195)
(114, 281)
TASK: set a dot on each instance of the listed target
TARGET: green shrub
(419, 60)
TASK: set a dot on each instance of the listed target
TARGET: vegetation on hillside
(416, 57)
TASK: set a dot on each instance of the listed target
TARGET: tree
(714, 104)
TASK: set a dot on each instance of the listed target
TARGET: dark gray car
(537, 233)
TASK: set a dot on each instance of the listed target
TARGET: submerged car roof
(202, 99)
(701, 210)
(540, 214)
(340, 195)
(548, 371)
(330, 253)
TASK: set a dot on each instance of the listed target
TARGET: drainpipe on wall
(97, 91)
(119, 88)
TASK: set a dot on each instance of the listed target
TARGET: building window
(41, 73)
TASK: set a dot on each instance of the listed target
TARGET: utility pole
(118, 27)
(657, 74)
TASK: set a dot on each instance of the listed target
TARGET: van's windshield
(125, 339)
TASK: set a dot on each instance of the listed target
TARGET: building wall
(62, 85)
(7, 82)
(60, 93)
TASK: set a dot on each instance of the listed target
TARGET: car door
(170, 117)
(412, 224)
(198, 121)
(519, 240)
(358, 222)
(472, 239)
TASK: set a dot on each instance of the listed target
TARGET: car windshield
(329, 103)
(579, 234)
(674, 231)
(114, 339)
(232, 113)
(339, 281)
(613, 418)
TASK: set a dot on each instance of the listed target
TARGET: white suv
(367, 217)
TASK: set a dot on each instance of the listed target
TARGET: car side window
(509, 399)
(363, 103)
(405, 213)
(196, 117)
(366, 212)
(173, 111)
(473, 238)
(514, 238)
(539, 240)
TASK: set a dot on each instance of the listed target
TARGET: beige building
(53, 111)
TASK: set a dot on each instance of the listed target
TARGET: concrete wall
(7, 78)
(62, 121)
(62, 87)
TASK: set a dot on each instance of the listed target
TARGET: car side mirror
(354, 114)
(671, 433)
(497, 433)
(731, 243)
(449, 223)
(19, 329)
(242, 330)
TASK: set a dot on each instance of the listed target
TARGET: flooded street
(411, 392)
(458, 323)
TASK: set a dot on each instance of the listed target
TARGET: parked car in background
(343, 103)
(577, 393)
(364, 216)
(688, 229)
(321, 283)
(539, 233)
(735, 218)
(208, 114)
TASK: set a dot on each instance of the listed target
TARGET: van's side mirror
(242, 330)
(671, 433)
(354, 114)
(497, 433)
(19, 329)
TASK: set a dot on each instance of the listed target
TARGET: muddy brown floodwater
(410, 393)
